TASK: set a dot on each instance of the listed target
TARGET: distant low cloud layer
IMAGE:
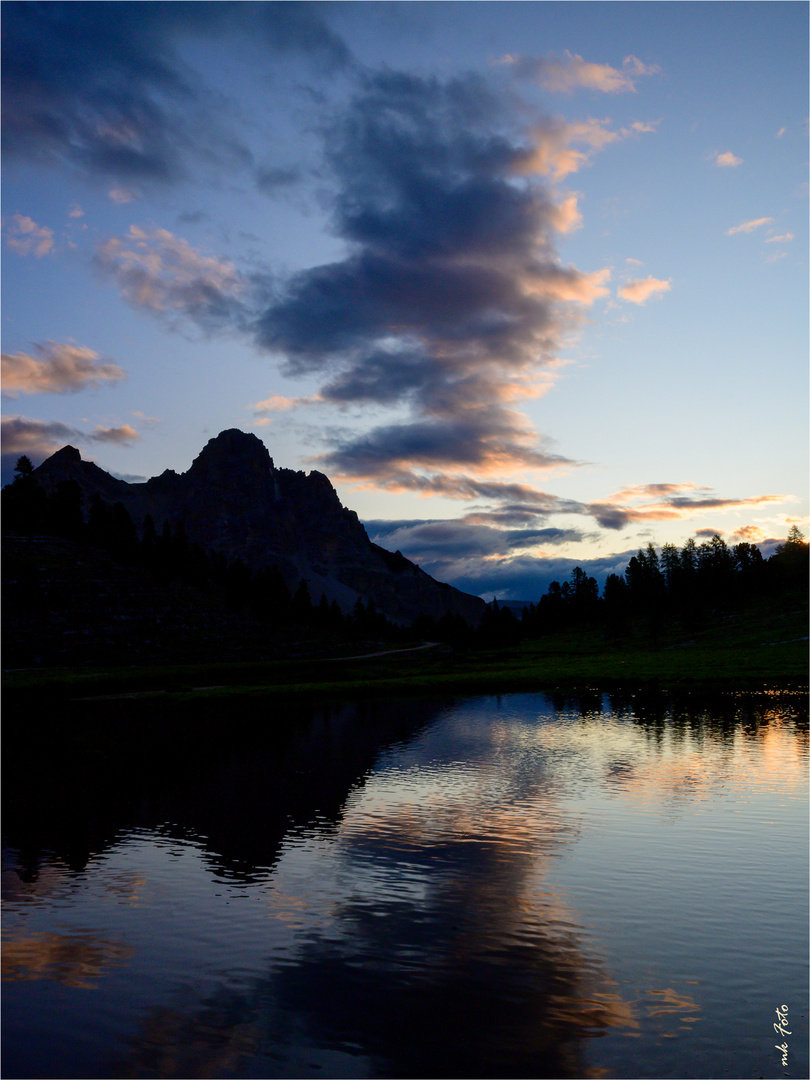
(510, 550)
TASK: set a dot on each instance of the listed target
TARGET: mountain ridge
(234, 501)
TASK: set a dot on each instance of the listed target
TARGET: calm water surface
(490, 887)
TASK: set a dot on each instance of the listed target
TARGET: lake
(527, 885)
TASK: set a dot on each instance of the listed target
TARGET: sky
(527, 281)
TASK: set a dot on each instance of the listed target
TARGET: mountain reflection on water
(529, 885)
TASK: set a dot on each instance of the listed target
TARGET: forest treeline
(683, 587)
(170, 557)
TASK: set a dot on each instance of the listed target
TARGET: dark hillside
(67, 604)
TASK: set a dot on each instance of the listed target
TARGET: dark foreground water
(491, 887)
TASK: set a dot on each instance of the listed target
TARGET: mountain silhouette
(234, 501)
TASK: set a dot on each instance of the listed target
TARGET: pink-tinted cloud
(640, 491)
(57, 368)
(727, 160)
(749, 226)
(565, 216)
(38, 439)
(570, 72)
(124, 435)
(25, 237)
(640, 290)
(279, 403)
(560, 149)
(568, 285)
(783, 238)
(164, 274)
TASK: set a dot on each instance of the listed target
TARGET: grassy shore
(762, 646)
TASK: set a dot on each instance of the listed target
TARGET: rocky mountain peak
(66, 454)
(235, 502)
(231, 453)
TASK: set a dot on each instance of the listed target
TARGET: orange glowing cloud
(674, 503)
(57, 368)
(279, 403)
(560, 148)
(569, 286)
(639, 291)
(565, 216)
(750, 534)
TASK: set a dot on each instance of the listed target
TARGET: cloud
(727, 160)
(57, 368)
(123, 195)
(481, 557)
(527, 577)
(671, 502)
(571, 72)
(565, 216)
(451, 300)
(269, 180)
(559, 149)
(164, 274)
(780, 133)
(76, 211)
(39, 439)
(749, 226)
(487, 550)
(104, 89)
(783, 239)
(750, 534)
(27, 238)
(36, 438)
(125, 435)
(640, 290)
(278, 403)
(447, 540)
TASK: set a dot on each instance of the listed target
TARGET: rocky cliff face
(235, 501)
